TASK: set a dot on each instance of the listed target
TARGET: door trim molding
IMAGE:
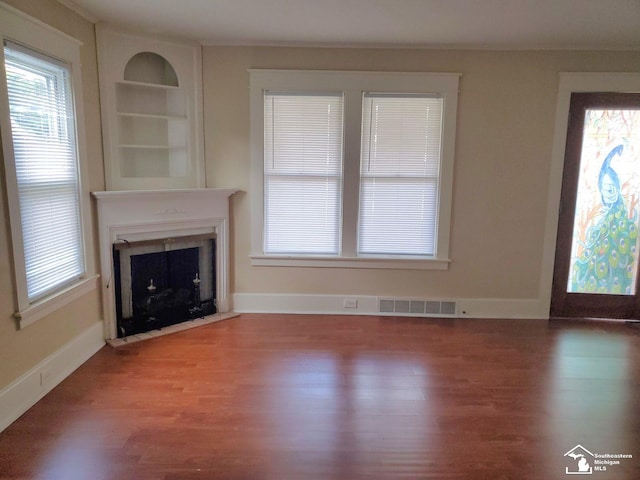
(569, 83)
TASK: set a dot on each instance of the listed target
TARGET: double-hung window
(352, 169)
(44, 148)
(39, 123)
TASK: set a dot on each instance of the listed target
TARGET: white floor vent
(417, 307)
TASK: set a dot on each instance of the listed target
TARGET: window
(352, 169)
(44, 147)
(42, 137)
(302, 173)
(399, 171)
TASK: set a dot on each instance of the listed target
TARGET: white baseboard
(368, 305)
(23, 393)
(520, 308)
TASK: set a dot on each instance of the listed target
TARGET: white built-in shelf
(144, 85)
(148, 146)
(150, 91)
(148, 115)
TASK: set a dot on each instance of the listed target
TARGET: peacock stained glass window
(604, 253)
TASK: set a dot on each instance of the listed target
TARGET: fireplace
(159, 283)
(141, 233)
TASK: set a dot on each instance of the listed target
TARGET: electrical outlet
(350, 303)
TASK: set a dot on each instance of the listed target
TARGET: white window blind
(302, 173)
(44, 145)
(399, 174)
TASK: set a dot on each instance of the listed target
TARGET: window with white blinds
(399, 173)
(358, 178)
(45, 154)
(302, 173)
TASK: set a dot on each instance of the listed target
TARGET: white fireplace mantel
(159, 214)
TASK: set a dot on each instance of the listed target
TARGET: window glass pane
(44, 145)
(604, 253)
(303, 173)
(399, 170)
(303, 215)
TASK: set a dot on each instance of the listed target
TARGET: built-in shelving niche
(152, 119)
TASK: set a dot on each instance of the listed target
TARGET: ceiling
(487, 24)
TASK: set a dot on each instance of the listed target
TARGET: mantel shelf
(183, 193)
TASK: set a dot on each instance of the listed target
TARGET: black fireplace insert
(161, 283)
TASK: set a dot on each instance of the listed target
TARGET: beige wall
(506, 118)
(21, 350)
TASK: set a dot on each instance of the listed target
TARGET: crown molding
(83, 12)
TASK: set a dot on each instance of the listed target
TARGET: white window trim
(21, 28)
(352, 84)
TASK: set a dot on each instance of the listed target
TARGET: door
(596, 264)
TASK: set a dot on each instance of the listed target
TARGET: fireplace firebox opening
(163, 282)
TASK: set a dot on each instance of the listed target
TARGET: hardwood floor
(264, 397)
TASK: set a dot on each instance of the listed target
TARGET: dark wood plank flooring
(282, 397)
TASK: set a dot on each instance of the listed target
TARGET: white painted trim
(20, 395)
(568, 83)
(327, 80)
(368, 305)
(507, 308)
(352, 262)
(39, 310)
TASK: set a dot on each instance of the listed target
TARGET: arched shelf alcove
(149, 67)
(151, 93)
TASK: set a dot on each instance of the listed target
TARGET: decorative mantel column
(158, 214)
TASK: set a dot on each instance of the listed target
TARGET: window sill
(44, 307)
(398, 263)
